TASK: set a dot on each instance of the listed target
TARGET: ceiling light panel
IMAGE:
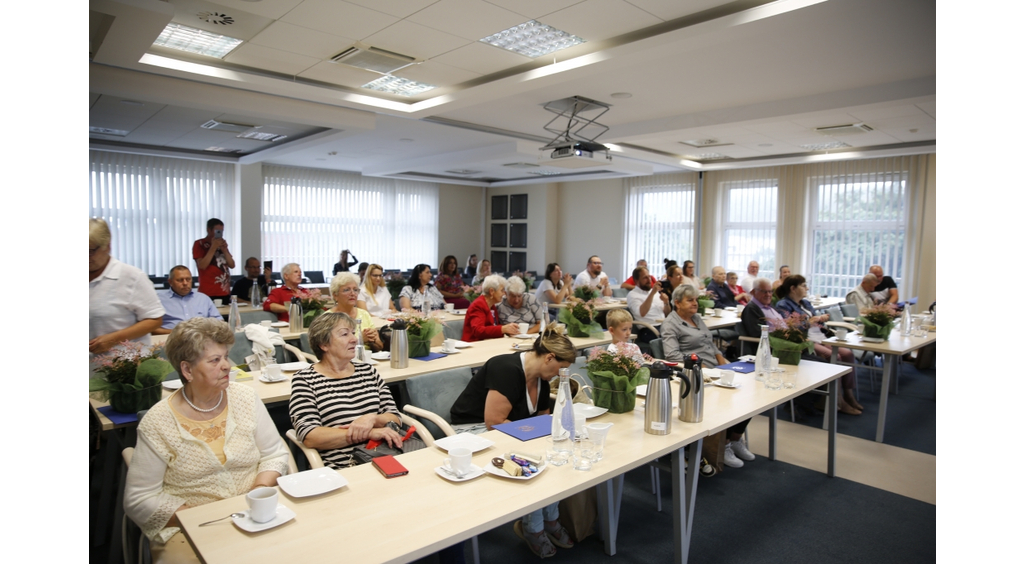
(533, 39)
(400, 86)
(825, 146)
(192, 40)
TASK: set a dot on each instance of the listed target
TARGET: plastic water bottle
(255, 299)
(360, 351)
(563, 422)
(905, 321)
(425, 306)
(234, 319)
(763, 360)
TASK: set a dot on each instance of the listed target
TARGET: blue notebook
(431, 356)
(118, 418)
(741, 367)
(527, 429)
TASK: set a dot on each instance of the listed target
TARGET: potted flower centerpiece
(705, 302)
(584, 293)
(616, 376)
(313, 305)
(787, 339)
(578, 317)
(526, 278)
(422, 330)
(474, 292)
(130, 376)
(878, 322)
(394, 283)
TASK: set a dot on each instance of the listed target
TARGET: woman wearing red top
(479, 323)
(742, 297)
(449, 283)
(281, 297)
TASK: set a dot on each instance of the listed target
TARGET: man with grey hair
(861, 295)
(181, 302)
(747, 282)
(723, 295)
(886, 289)
(519, 306)
(760, 308)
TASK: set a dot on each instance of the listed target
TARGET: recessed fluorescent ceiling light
(544, 173)
(192, 40)
(463, 171)
(825, 146)
(261, 136)
(107, 131)
(221, 150)
(400, 86)
(533, 39)
(706, 157)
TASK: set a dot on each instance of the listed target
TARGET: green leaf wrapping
(576, 328)
(788, 352)
(875, 330)
(617, 392)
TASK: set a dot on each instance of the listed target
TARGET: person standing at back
(214, 261)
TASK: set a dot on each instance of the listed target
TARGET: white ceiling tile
(776, 129)
(273, 10)
(533, 9)
(482, 58)
(672, 9)
(265, 58)
(864, 139)
(904, 122)
(301, 40)
(336, 73)
(235, 22)
(338, 18)
(437, 74)
(415, 40)
(470, 19)
(868, 115)
(398, 8)
(596, 20)
(922, 134)
(928, 107)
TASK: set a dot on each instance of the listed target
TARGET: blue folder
(741, 367)
(527, 429)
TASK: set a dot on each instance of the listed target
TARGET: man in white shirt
(594, 278)
(861, 295)
(747, 282)
(646, 303)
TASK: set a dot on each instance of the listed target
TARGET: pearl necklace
(189, 402)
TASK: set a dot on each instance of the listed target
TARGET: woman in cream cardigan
(208, 441)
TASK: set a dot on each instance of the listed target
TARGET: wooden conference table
(890, 350)
(425, 513)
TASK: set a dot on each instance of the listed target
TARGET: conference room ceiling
(697, 85)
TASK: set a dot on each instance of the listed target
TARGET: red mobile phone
(388, 466)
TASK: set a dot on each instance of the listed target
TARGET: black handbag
(364, 455)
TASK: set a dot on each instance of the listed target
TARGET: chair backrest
(437, 392)
(835, 313)
(619, 292)
(453, 329)
(315, 276)
(580, 367)
(657, 351)
(243, 348)
(256, 316)
(850, 310)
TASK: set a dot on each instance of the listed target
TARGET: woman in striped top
(337, 404)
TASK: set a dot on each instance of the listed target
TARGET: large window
(310, 216)
(660, 220)
(751, 209)
(859, 220)
(157, 207)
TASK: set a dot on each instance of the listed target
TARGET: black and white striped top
(319, 401)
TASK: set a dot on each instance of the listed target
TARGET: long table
(427, 513)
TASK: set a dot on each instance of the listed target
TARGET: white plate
(526, 336)
(370, 361)
(490, 469)
(279, 324)
(872, 340)
(311, 482)
(474, 443)
(459, 312)
(453, 351)
(263, 378)
(461, 344)
(295, 366)
(522, 346)
(588, 411)
(734, 385)
(172, 384)
(246, 524)
(641, 390)
(383, 355)
(474, 472)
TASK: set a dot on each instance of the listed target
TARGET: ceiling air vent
(701, 143)
(225, 126)
(848, 129)
(373, 59)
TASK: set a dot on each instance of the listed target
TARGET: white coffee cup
(727, 377)
(449, 307)
(262, 504)
(218, 302)
(266, 323)
(448, 346)
(273, 372)
(459, 461)
(775, 363)
(523, 328)
(840, 333)
(719, 311)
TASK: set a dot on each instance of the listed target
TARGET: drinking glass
(559, 450)
(583, 454)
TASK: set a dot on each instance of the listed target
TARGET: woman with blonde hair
(374, 296)
(345, 291)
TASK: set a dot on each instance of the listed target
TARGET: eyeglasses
(349, 290)
(597, 263)
(376, 276)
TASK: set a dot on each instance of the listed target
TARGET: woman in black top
(344, 263)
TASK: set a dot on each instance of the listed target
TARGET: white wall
(460, 222)
(590, 222)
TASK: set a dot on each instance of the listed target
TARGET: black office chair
(315, 276)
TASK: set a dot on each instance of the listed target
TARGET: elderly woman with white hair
(481, 322)
(279, 298)
(519, 306)
(345, 291)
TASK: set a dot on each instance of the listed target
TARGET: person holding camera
(214, 261)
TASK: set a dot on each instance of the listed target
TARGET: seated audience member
(519, 306)
(861, 295)
(181, 302)
(374, 296)
(594, 278)
(555, 287)
(480, 322)
(792, 294)
(362, 270)
(629, 284)
(210, 440)
(719, 290)
(673, 278)
(482, 271)
(784, 273)
(886, 290)
(747, 281)
(345, 291)
(620, 327)
(741, 295)
(470, 266)
(123, 306)
(420, 290)
(280, 298)
(243, 286)
(343, 264)
(690, 275)
(515, 386)
(684, 333)
(449, 283)
(647, 303)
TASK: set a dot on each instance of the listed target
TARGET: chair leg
(654, 477)
(475, 544)
(657, 482)
(792, 414)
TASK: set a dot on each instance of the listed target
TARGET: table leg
(111, 463)
(888, 364)
(833, 394)
(773, 419)
(684, 496)
(609, 501)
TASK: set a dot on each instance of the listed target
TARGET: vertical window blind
(157, 207)
(660, 213)
(859, 214)
(751, 212)
(310, 216)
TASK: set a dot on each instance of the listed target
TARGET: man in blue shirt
(181, 302)
(723, 295)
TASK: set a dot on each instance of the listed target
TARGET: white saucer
(172, 384)
(474, 472)
(383, 355)
(263, 378)
(295, 366)
(872, 340)
(368, 360)
(461, 344)
(525, 336)
(279, 324)
(588, 411)
(838, 340)
(246, 524)
(490, 469)
(311, 482)
(453, 351)
(722, 385)
(475, 443)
